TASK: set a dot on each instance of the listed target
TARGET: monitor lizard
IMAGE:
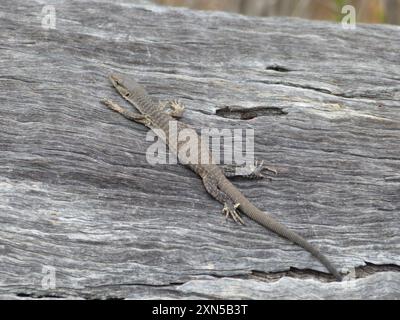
(156, 117)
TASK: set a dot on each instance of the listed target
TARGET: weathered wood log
(78, 200)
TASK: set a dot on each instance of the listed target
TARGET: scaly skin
(215, 182)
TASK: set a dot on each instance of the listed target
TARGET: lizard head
(126, 87)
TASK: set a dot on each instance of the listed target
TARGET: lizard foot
(176, 107)
(257, 170)
(230, 211)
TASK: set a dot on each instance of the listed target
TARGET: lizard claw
(177, 105)
(230, 211)
(177, 109)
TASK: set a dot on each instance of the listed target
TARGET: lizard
(155, 116)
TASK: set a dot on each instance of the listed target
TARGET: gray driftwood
(78, 198)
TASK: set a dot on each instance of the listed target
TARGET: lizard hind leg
(230, 207)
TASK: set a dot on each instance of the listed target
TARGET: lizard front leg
(176, 108)
(137, 117)
(230, 207)
(255, 171)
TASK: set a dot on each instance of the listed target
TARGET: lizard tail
(270, 223)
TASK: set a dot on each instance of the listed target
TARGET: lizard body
(214, 179)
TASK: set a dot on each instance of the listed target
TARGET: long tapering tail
(270, 223)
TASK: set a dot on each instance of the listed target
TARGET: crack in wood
(357, 273)
(237, 112)
(366, 95)
(278, 68)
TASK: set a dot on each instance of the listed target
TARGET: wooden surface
(77, 194)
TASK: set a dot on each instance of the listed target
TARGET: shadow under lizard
(155, 116)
